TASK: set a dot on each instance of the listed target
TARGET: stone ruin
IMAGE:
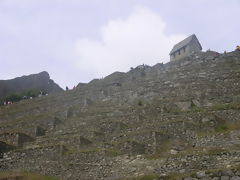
(15, 139)
(176, 119)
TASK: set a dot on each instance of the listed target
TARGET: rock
(201, 174)
(205, 119)
(39, 131)
(158, 140)
(56, 121)
(190, 178)
(39, 81)
(84, 141)
(173, 151)
(184, 106)
(5, 148)
(196, 103)
(134, 148)
(104, 139)
(182, 171)
(15, 139)
(87, 102)
(228, 173)
(150, 168)
(225, 177)
(70, 112)
(235, 178)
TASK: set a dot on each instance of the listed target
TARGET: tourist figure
(238, 48)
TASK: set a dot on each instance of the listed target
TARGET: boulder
(184, 106)
(235, 178)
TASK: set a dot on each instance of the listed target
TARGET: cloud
(125, 43)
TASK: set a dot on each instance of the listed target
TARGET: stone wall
(15, 139)
(180, 117)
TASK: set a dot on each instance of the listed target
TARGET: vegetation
(84, 150)
(140, 103)
(15, 97)
(227, 106)
(145, 177)
(113, 153)
(24, 176)
(221, 128)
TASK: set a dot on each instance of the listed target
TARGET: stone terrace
(176, 118)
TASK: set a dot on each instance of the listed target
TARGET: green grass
(113, 153)
(162, 151)
(215, 151)
(227, 106)
(145, 177)
(25, 176)
(227, 127)
(86, 150)
(178, 176)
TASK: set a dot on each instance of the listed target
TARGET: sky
(80, 40)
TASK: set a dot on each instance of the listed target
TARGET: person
(66, 88)
(238, 48)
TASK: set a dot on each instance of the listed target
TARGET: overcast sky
(79, 40)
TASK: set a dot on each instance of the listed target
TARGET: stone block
(62, 149)
(84, 141)
(134, 148)
(119, 126)
(5, 148)
(201, 174)
(190, 178)
(158, 140)
(23, 138)
(98, 135)
(39, 131)
(184, 106)
(70, 112)
(55, 152)
(56, 122)
(87, 102)
(224, 178)
(235, 178)
(196, 103)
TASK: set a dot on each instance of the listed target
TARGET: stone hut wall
(15, 139)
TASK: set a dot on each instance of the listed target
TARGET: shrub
(15, 97)
(140, 103)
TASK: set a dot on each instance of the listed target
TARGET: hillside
(178, 120)
(40, 81)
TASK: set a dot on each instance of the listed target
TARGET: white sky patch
(126, 43)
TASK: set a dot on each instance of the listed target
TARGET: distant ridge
(40, 81)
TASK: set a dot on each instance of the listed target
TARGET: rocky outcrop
(39, 81)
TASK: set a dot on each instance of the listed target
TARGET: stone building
(185, 48)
